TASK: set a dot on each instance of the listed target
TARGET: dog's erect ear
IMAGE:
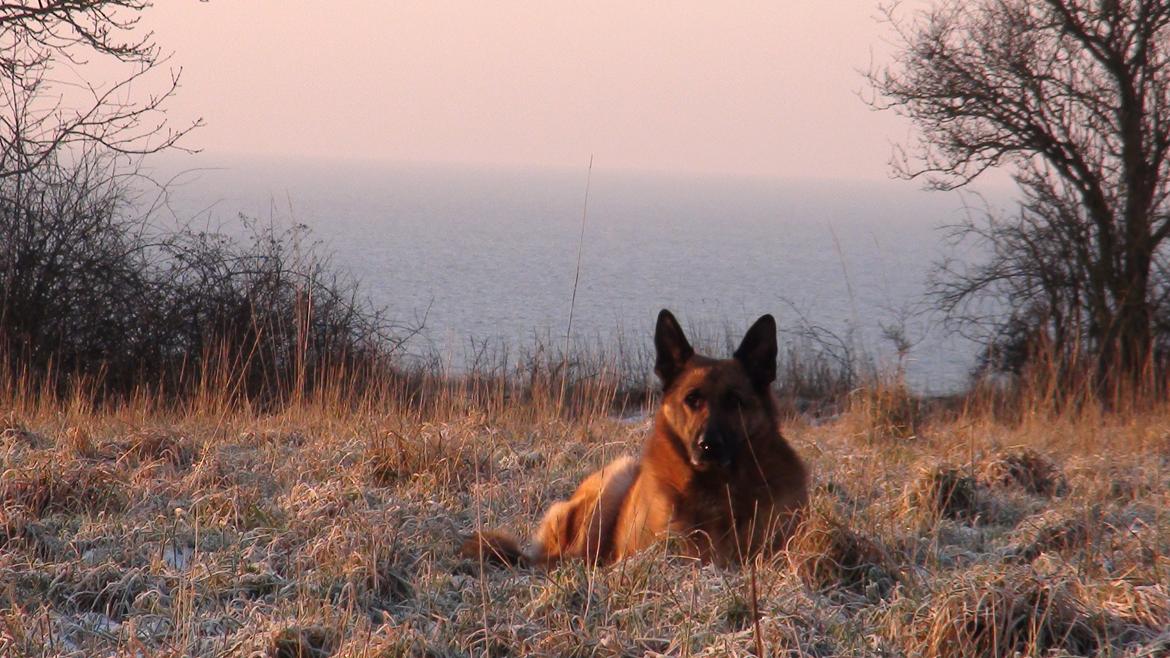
(758, 352)
(671, 347)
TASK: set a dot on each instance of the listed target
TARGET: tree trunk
(1135, 336)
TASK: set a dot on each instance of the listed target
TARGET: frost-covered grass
(327, 532)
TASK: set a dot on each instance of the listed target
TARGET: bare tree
(43, 112)
(1073, 96)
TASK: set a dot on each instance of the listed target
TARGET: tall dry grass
(327, 525)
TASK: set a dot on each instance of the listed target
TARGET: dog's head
(715, 405)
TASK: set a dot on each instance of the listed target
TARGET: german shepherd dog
(714, 471)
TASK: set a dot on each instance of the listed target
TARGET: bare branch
(38, 122)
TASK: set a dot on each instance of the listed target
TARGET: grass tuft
(826, 554)
(14, 434)
(1052, 532)
(169, 447)
(1025, 468)
(943, 492)
(436, 456)
(43, 488)
(886, 411)
(988, 613)
(310, 641)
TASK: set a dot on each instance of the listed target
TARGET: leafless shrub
(88, 287)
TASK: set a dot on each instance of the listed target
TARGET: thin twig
(576, 278)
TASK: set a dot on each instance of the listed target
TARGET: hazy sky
(758, 88)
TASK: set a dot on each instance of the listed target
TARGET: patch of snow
(96, 621)
(177, 557)
(95, 555)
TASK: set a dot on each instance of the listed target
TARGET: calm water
(491, 254)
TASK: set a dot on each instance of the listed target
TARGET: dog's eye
(694, 399)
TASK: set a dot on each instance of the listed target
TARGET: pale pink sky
(756, 88)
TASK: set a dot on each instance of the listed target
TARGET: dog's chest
(720, 508)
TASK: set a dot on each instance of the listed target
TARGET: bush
(88, 287)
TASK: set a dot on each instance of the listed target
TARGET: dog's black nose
(710, 449)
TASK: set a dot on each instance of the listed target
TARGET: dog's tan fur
(714, 471)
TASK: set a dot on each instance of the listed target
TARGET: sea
(481, 256)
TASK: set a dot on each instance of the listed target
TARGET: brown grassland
(330, 528)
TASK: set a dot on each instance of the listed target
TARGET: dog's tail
(497, 548)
